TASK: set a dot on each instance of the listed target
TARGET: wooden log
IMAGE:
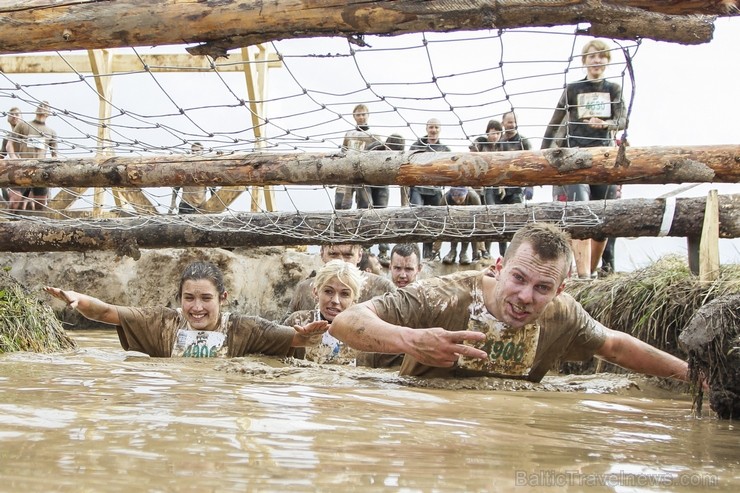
(402, 224)
(594, 165)
(683, 7)
(39, 25)
(156, 63)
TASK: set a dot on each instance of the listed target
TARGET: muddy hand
(65, 296)
(439, 347)
(312, 328)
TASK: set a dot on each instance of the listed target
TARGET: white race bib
(511, 351)
(198, 344)
(594, 104)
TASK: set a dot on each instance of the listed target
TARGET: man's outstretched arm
(361, 328)
(633, 354)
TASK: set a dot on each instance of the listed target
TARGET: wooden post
(101, 64)
(256, 89)
(709, 246)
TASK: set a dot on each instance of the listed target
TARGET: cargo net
(295, 96)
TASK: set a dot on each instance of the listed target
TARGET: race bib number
(199, 344)
(510, 351)
(594, 104)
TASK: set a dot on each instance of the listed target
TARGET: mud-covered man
(513, 321)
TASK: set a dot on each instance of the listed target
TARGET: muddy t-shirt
(328, 350)
(359, 140)
(564, 332)
(155, 331)
(585, 99)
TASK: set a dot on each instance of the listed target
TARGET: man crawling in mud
(513, 321)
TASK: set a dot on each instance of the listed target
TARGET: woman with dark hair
(198, 327)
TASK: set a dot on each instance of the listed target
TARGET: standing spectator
(511, 140)
(31, 141)
(461, 196)
(594, 111)
(14, 116)
(377, 196)
(489, 143)
(193, 197)
(428, 195)
(358, 139)
(405, 264)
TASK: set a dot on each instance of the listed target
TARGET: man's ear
(560, 288)
(499, 266)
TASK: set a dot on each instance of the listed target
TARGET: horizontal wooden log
(645, 165)
(178, 63)
(40, 25)
(683, 7)
(598, 219)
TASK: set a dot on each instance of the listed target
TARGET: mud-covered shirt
(585, 99)
(358, 140)
(564, 332)
(155, 331)
(329, 350)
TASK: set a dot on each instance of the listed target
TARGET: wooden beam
(400, 224)
(645, 165)
(709, 249)
(74, 63)
(39, 25)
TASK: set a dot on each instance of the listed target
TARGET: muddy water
(100, 420)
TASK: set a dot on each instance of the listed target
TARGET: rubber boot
(450, 257)
(464, 257)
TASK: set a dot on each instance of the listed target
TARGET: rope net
(309, 91)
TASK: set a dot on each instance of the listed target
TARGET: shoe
(484, 254)
(464, 258)
(476, 257)
(449, 258)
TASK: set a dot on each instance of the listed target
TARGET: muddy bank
(712, 340)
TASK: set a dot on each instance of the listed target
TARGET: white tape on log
(670, 209)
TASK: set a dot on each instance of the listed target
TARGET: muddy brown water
(101, 420)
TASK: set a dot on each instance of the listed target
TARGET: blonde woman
(335, 288)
